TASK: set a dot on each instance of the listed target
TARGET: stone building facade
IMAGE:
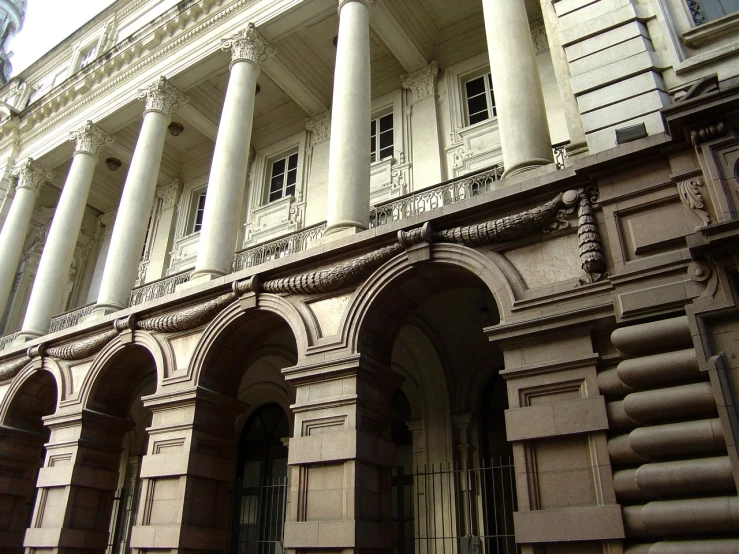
(373, 276)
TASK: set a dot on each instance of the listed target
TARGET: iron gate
(445, 509)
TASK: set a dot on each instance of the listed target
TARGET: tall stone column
(129, 233)
(349, 150)
(52, 275)
(77, 483)
(31, 177)
(519, 100)
(231, 156)
(103, 233)
(341, 458)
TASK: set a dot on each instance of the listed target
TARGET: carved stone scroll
(592, 260)
(691, 197)
(188, 318)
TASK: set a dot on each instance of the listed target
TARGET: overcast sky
(47, 23)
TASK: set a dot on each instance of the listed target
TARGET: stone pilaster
(77, 483)
(189, 464)
(121, 267)
(31, 176)
(56, 260)
(424, 118)
(231, 156)
(161, 241)
(341, 458)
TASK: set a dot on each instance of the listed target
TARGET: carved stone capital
(539, 36)
(343, 3)
(90, 139)
(105, 223)
(248, 45)
(422, 83)
(31, 175)
(170, 193)
(320, 126)
(161, 96)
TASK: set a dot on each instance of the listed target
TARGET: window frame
(375, 140)
(490, 106)
(196, 210)
(287, 156)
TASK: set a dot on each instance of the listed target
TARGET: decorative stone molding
(539, 36)
(10, 369)
(189, 318)
(105, 223)
(170, 193)
(320, 126)
(17, 95)
(691, 197)
(162, 97)
(90, 139)
(699, 135)
(248, 45)
(31, 175)
(422, 83)
(342, 3)
(592, 260)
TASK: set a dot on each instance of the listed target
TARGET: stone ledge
(560, 418)
(569, 524)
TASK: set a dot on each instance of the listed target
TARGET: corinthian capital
(162, 97)
(422, 83)
(31, 175)
(90, 139)
(248, 44)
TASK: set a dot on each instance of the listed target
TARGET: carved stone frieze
(691, 197)
(422, 83)
(592, 260)
(10, 369)
(90, 139)
(320, 126)
(248, 45)
(161, 96)
(539, 36)
(189, 318)
(170, 193)
(700, 135)
(17, 95)
(82, 349)
(31, 175)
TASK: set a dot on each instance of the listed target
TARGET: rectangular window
(381, 138)
(284, 177)
(86, 57)
(199, 211)
(480, 99)
(146, 236)
(708, 10)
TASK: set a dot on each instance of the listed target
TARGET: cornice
(132, 49)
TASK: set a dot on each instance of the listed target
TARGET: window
(86, 56)
(146, 236)
(197, 223)
(480, 99)
(708, 10)
(381, 141)
(284, 177)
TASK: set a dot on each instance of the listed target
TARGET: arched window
(260, 491)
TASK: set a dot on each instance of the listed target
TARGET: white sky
(47, 23)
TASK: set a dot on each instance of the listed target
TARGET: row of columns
(524, 139)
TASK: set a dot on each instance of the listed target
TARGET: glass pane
(278, 167)
(290, 190)
(476, 118)
(386, 123)
(373, 127)
(386, 153)
(276, 184)
(292, 162)
(386, 139)
(477, 104)
(475, 86)
(292, 176)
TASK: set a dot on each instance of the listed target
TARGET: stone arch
(271, 313)
(491, 269)
(102, 379)
(29, 396)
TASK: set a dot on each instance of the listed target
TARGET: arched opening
(428, 326)
(22, 438)
(127, 377)
(245, 362)
(260, 491)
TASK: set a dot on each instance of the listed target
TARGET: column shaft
(231, 156)
(14, 232)
(522, 117)
(56, 260)
(349, 150)
(129, 232)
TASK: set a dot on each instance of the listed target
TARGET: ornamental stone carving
(539, 36)
(170, 193)
(248, 45)
(692, 199)
(31, 175)
(422, 83)
(90, 139)
(105, 223)
(320, 126)
(367, 3)
(161, 96)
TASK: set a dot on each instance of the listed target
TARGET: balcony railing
(159, 288)
(69, 319)
(277, 248)
(435, 197)
(6, 339)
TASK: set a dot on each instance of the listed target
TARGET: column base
(577, 149)
(25, 335)
(101, 310)
(341, 230)
(526, 165)
(199, 277)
